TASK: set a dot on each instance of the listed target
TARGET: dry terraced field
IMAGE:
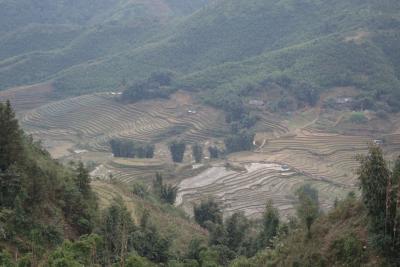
(308, 147)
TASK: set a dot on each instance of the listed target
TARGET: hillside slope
(226, 44)
(38, 40)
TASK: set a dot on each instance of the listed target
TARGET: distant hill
(224, 45)
(41, 39)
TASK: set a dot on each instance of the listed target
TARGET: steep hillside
(226, 45)
(38, 40)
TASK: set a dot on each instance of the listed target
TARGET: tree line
(131, 149)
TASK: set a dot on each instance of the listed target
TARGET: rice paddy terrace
(281, 164)
(91, 121)
(312, 146)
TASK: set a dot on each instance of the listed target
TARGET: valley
(312, 145)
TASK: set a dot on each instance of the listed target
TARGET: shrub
(348, 250)
(357, 118)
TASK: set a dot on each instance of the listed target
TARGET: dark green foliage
(83, 180)
(270, 226)
(195, 248)
(177, 149)
(242, 141)
(138, 261)
(374, 176)
(116, 228)
(348, 250)
(11, 148)
(156, 86)
(85, 251)
(207, 211)
(237, 227)
(197, 152)
(166, 192)
(150, 244)
(131, 149)
(308, 207)
(140, 190)
(39, 197)
(6, 260)
(214, 152)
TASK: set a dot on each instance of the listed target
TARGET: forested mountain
(41, 39)
(224, 45)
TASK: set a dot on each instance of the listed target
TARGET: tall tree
(308, 207)
(10, 137)
(167, 193)
(396, 204)
(11, 146)
(197, 152)
(236, 227)
(207, 210)
(270, 226)
(83, 179)
(11, 153)
(177, 149)
(374, 176)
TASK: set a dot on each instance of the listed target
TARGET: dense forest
(49, 216)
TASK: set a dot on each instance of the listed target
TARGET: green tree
(308, 207)
(167, 193)
(11, 147)
(374, 176)
(83, 179)
(396, 201)
(241, 141)
(116, 229)
(6, 260)
(207, 210)
(177, 149)
(197, 152)
(214, 152)
(237, 227)
(270, 226)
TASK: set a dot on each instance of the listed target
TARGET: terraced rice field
(325, 160)
(305, 149)
(128, 170)
(91, 121)
(250, 190)
(28, 97)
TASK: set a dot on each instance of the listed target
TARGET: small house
(258, 103)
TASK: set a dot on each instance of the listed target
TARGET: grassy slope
(171, 221)
(345, 221)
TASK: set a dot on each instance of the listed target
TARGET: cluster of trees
(158, 85)
(177, 149)
(237, 235)
(165, 192)
(131, 149)
(197, 152)
(34, 188)
(240, 120)
(214, 152)
(240, 141)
